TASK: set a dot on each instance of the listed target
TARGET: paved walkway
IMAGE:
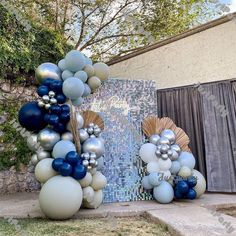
(198, 217)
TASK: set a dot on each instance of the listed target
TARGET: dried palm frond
(151, 125)
(92, 117)
(167, 123)
(182, 138)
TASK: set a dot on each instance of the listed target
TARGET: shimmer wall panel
(123, 104)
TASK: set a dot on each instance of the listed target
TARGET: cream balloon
(89, 70)
(200, 188)
(147, 152)
(44, 170)
(152, 167)
(164, 164)
(88, 194)
(60, 197)
(99, 181)
(86, 181)
(185, 172)
(101, 70)
(97, 200)
(94, 82)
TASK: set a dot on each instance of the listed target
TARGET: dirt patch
(231, 210)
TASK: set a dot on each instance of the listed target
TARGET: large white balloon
(62, 148)
(187, 159)
(152, 167)
(99, 181)
(97, 200)
(74, 61)
(147, 152)
(44, 170)
(101, 70)
(164, 193)
(164, 164)
(73, 88)
(200, 188)
(60, 197)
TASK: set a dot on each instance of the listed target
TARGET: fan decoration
(170, 163)
(67, 142)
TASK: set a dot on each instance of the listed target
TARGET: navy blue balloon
(46, 118)
(55, 109)
(79, 172)
(56, 86)
(72, 158)
(48, 82)
(53, 120)
(191, 194)
(182, 187)
(61, 98)
(57, 163)
(42, 90)
(31, 117)
(65, 108)
(65, 117)
(59, 128)
(65, 169)
(192, 181)
(178, 195)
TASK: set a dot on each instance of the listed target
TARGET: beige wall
(203, 57)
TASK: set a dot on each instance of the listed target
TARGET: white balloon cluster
(165, 160)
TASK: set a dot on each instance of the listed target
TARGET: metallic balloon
(94, 145)
(92, 162)
(43, 154)
(46, 98)
(85, 163)
(164, 148)
(92, 136)
(158, 153)
(48, 138)
(80, 120)
(32, 142)
(41, 104)
(176, 147)
(164, 156)
(47, 70)
(97, 131)
(93, 155)
(90, 130)
(163, 140)
(170, 152)
(47, 106)
(154, 139)
(85, 155)
(67, 136)
(53, 101)
(174, 156)
(83, 135)
(169, 134)
(91, 125)
(34, 159)
(51, 94)
(159, 147)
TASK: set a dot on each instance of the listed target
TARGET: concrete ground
(188, 218)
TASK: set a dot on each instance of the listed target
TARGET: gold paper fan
(92, 117)
(151, 125)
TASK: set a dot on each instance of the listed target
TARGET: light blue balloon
(73, 88)
(87, 90)
(100, 163)
(154, 178)
(145, 183)
(82, 75)
(62, 64)
(164, 193)
(75, 61)
(88, 61)
(175, 167)
(66, 74)
(187, 159)
(61, 148)
(78, 101)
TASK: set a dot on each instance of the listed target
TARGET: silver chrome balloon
(32, 142)
(97, 131)
(154, 139)
(174, 156)
(92, 155)
(158, 153)
(80, 120)
(164, 156)
(47, 70)
(53, 101)
(92, 162)
(170, 152)
(164, 148)
(83, 135)
(48, 138)
(67, 136)
(47, 106)
(176, 147)
(86, 156)
(41, 104)
(46, 98)
(34, 159)
(92, 136)
(43, 154)
(169, 134)
(85, 163)
(91, 125)
(159, 147)
(90, 130)
(163, 140)
(94, 145)
(51, 94)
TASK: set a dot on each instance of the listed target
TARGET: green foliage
(16, 151)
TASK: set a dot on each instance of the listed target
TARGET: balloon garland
(170, 163)
(67, 143)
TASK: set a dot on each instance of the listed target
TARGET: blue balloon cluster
(70, 166)
(184, 188)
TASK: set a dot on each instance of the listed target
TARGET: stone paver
(184, 217)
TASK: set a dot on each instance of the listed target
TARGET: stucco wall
(209, 55)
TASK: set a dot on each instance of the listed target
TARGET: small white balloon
(97, 200)
(185, 172)
(44, 170)
(187, 159)
(147, 152)
(94, 83)
(89, 70)
(86, 181)
(99, 181)
(164, 164)
(101, 70)
(88, 194)
(152, 167)
(62, 148)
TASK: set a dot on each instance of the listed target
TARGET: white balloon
(44, 170)
(175, 167)
(82, 75)
(147, 152)
(99, 181)
(86, 181)
(163, 193)
(60, 197)
(185, 172)
(62, 148)
(74, 60)
(66, 74)
(97, 200)
(152, 167)
(187, 159)
(89, 70)
(164, 164)
(73, 88)
(101, 70)
(88, 194)
(200, 188)
(94, 83)
(80, 121)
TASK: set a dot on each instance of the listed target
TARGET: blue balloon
(79, 171)
(191, 194)
(53, 120)
(57, 163)
(65, 108)
(31, 117)
(48, 82)
(192, 181)
(65, 117)
(59, 128)
(65, 169)
(56, 86)
(55, 109)
(61, 98)
(178, 195)
(72, 158)
(42, 90)
(182, 187)
(46, 118)
(154, 179)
